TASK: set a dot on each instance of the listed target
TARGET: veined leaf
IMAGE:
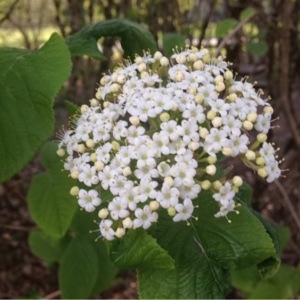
(29, 81)
(134, 38)
(50, 203)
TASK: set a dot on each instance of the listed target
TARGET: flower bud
(180, 59)
(262, 172)
(126, 171)
(228, 75)
(94, 102)
(60, 152)
(74, 191)
(99, 165)
(134, 120)
(217, 122)
(261, 137)
(171, 211)
(154, 205)
(90, 143)
(164, 117)
(205, 184)
(248, 125)
(211, 115)
(127, 223)
(103, 213)
(237, 181)
(157, 55)
(120, 232)
(74, 174)
(198, 65)
(211, 170)
(164, 61)
(217, 185)
(250, 155)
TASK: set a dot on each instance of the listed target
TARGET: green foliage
(171, 41)
(50, 203)
(139, 250)
(134, 38)
(28, 82)
(225, 26)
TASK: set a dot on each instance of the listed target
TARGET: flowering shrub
(153, 138)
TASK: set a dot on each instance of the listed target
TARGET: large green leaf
(242, 242)
(50, 203)
(139, 250)
(29, 81)
(46, 247)
(83, 225)
(134, 38)
(78, 269)
(195, 276)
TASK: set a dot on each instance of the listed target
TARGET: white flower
(88, 175)
(225, 194)
(144, 217)
(106, 230)
(215, 140)
(184, 211)
(88, 200)
(118, 208)
(263, 123)
(168, 196)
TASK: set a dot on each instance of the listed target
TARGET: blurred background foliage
(260, 37)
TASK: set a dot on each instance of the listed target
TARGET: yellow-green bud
(94, 102)
(103, 213)
(164, 61)
(205, 184)
(115, 145)
(99, 165)
(198, 65)
(260, 161)
(262, 172)
(74, 174)
(261, 137)
(154, 205)
(127, 223)
(90, 143)
(217, 185)
(211, 114)
(157, 55)
(164, 117)
(250, 155)
(237, 181)
(61, 152)
(80, 148)
(228, 75)
(248, 125)
(120, 232)
(171, 211)
(211, 159)
(74, 191)
(211, 170)
(252, 116)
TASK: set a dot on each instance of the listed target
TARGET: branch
(288, 203)
(285, 47)
(232, 33)
(8, 13)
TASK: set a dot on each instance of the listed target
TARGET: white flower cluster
(154, 133)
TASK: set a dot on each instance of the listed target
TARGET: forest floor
(22, 275)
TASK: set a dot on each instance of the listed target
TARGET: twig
(17, 228)
(52, 295)
(10, 10)
(285, 43)
(232, 33)
(288, 203)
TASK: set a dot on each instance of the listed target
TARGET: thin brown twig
(288, 203)
(10, 10)
(285, 47)
(17, 228)
(52, 295)
(232, 33)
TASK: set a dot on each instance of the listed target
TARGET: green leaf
(78, 270)
(81, 225)
(50, 203)
(225, 26)
(257, 48)
(139, 250)
(172, 40)
(284, 285)
(234, 244)
(247, 13)
(244, 195)
(195, 276)
(45, 247)
(134, 38)
(29, 81)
